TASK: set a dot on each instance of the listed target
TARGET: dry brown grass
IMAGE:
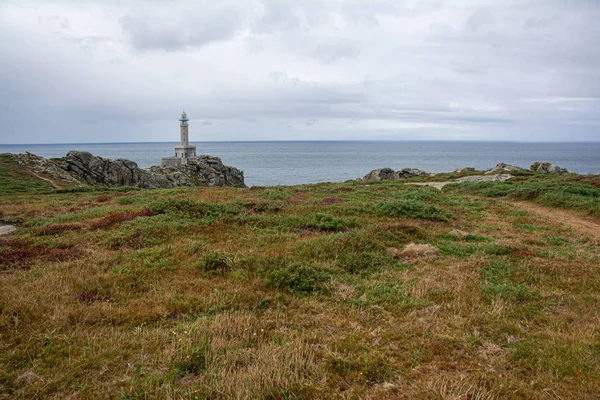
(413, 250)
(427, 324)
(56, 229)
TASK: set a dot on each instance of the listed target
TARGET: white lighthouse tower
(184, 151)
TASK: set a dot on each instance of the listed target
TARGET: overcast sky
(106, 71)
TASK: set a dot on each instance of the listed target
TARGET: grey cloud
(355, 69)
(480, 19)
(57, 21)
(335, 51)
(182, 30)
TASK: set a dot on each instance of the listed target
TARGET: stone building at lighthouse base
(184, 152)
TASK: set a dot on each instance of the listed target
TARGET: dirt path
(577, 221)
(47, 180)
(472, 178)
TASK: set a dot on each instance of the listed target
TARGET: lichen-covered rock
(465, 169)
(45, 170)
(388, 173)
(99, 171)
(548, 168)
(502, 167)
(201, 171)
(6, 229)
(380, 174)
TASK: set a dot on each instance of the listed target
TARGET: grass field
(371, 290)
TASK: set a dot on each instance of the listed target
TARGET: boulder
(548, 168)
(411, 173)
(6, 229)
(99, 171)
(502, 167)
(388, 173)
(380, 174)
(465, 169)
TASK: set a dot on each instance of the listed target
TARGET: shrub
(21, 254)
(328, 223)
(126, 240)
(413, 250)
(456, 236)
(195, 360)
(55, 229)
(276, 193)
(354, 262)
(496, 282)
(113, 219)
(331, 200)
(215, 262)
(190, 208)
(456, 249)
(295, 278)
(412, 209)
(86, 297)
(420, 194)
(179, 206)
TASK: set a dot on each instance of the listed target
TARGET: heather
(377, 290)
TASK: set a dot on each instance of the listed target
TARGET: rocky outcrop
(99, 171)
(201, 171)
(388, 173)
(502, 167)
(548, 168)
(45, 170)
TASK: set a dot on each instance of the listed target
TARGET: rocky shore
(80, 168)
(501, 169)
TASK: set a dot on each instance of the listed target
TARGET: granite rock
(388, 173)
(502, 167)
(548, 168)
(99, 171)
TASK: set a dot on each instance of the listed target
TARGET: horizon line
(308, 141)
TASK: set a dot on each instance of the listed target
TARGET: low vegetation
(368, 290)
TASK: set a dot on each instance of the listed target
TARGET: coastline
(287, 163)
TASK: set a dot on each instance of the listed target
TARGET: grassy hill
(353, 290)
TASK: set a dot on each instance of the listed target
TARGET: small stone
(6, 229)
(28, 377)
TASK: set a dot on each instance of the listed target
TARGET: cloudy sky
(114, 71)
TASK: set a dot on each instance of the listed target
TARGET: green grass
(16, 179)
(497, 282)
(551, 193)
(276, 293)
(413, 209)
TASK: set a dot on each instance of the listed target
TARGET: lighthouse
(183, 129)
(184, 152)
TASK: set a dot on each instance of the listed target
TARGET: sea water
(291, 163)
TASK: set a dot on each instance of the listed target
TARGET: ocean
(291, 163)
